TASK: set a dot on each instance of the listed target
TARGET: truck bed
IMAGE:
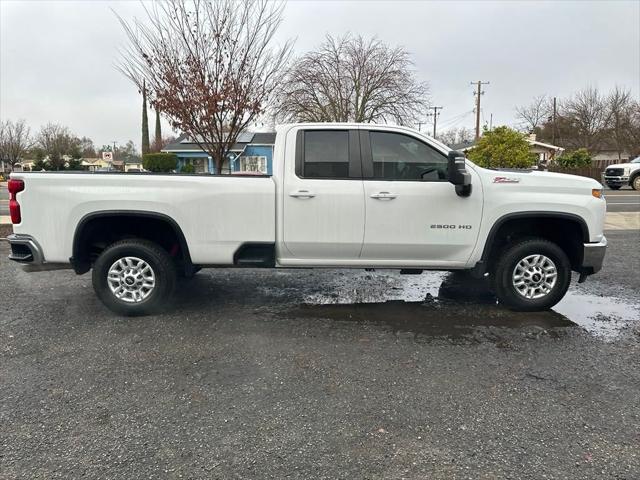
(217, 214)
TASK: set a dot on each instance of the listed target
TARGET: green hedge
(577, 158)
(159, 162)
(188, 168)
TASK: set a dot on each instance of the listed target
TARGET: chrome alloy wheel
(534, 276)
(131, 279)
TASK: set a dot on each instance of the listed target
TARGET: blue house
(252, 153)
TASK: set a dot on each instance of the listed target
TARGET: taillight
(14, 186)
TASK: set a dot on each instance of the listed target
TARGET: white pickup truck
(341, 196)
(622, 174)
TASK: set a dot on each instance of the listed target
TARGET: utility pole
(491, 122)
(479, 92)
(435, 115)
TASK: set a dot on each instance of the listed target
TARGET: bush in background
(188, 168)
(577, 158)
(159, 162)
(502, 147)
(74, 164)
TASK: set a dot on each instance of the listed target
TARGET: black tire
(162, 269)
(614, 187)
(503, 278)
(635, 182)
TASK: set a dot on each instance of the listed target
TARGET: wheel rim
(131, 279)
(636, 183)
(534, 276)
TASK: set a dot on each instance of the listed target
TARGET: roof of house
(185, 144)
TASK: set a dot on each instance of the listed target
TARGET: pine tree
(158, 141)
(145, 121)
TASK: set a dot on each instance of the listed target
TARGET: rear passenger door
(323, 197)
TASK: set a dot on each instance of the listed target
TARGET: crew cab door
(323, 199)
(413, 214)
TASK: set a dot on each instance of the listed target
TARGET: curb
(622, 221)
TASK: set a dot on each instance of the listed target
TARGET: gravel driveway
(296, 374)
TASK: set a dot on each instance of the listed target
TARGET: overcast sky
(57, 57)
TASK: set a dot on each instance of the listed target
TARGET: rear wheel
(635, 183)
(134, 277)
(532, 275)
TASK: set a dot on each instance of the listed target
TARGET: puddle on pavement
(443, 304)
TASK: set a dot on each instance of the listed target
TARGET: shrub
(159, 162)
(575, 159)
(40, 165)
(188, 168)
(502, 147)
(74, 164)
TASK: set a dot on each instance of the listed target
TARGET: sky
(57, 57)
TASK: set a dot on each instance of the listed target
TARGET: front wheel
(134, 277)
(532, 275)
(635, 183)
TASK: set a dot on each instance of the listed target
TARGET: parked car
(617, 176)
(341, 196)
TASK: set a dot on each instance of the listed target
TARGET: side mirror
(458, 175)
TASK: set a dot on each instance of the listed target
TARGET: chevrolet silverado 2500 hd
(341, 195)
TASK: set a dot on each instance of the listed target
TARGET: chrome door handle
(383, 195)
(302, 194)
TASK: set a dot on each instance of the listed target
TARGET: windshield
(635, 160)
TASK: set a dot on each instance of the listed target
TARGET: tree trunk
(219, 164)
(145, 121)
(158, 141)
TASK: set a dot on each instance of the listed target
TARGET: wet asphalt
(318, 374)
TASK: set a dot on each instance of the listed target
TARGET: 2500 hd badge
(451, 227)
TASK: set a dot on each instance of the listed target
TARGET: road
(626, 200)
(303, 374)
(623, 200)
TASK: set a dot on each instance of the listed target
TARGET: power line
(455, 119)
(478, 94)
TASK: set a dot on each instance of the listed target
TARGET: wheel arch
(91, 223)
(568, 230)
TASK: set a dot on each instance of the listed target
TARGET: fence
(594, 171)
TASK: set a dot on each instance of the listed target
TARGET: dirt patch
(5, 230)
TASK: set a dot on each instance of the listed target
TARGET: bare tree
(15, 140)
(209, 65)
(56, 141)
(534, 115)
(87, 147)
(350, 79)
(455, 136)
(621, 112)
(584, 119)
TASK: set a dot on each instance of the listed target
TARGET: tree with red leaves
(210, 66)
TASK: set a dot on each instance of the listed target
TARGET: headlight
(597, 192)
